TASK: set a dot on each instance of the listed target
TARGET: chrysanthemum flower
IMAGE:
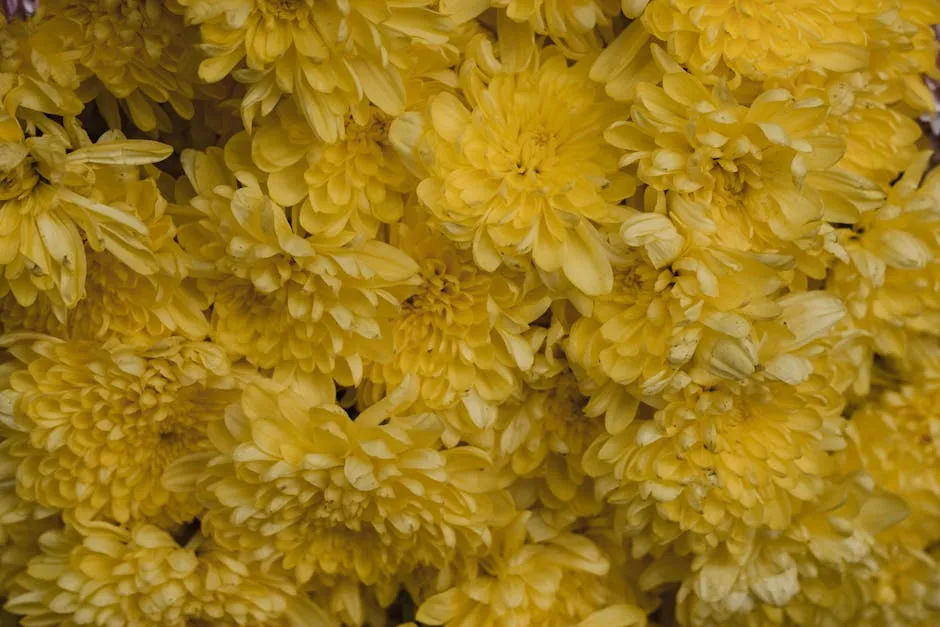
(320, 493)
(92, 427)
(523, 582)
(570, 24)
(231, 590)
(94, 573)
(902, 50)
(464, 331)
(763, 174)
(119, 302)
(132, 54)
(891, 286)
(331, 58)
(905, 589)
(542, 438)
(515, 177)
(357, 183)
(51, 209)
(36, 72)
(895, 439)
(360, 181)
(761, 40)
(714, 462)
(312, 305)
(816, 572)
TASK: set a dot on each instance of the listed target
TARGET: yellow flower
(761, 175)
(321, 494)
(304, 305)
(814, 573)
(760, 39)
(541, 439)
(138, 309)
(332, 58)
(100, 574)
(357, 183)
(716, 462)
(465, 332)
(524, 582)
(133, 54)
(95, 573)
(51, 208)
(891, 285)
(230, 590)
(903, 48)
(904, 590)
(894, 437)
(92, 427)
(517, 177)
(570, 24)
(36, 71)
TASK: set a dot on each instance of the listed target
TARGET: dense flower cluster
(470, 313)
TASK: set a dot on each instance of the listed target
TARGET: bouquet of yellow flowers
(471, 313)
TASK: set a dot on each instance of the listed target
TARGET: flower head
(372, 497)
(524, 582)
(895, 439)
(92, 572)
(51, 209)
(712, 462)
(761, 174)
(315, 304)
(332, 58)
(890, 285)
(761, 40)
(464, 331)
(570, 24)
(130, 55)
(517, 178)
(91, 427)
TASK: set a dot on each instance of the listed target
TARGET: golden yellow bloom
(904, 590)
(92, 427)
(357, 183)
(524, 582)
(542, 438)
(99, 574)
(517, 177)
(891, 286)
(814, 573)
(759, 39)
(903, 48)
(36, 72)
(332, 58)
(303, 305)
(570, 24)
(322, 494)
(465, 332)
(895, 439)
(230, 590)
(761, 174)
(134, 55)
(712, 462)
(138, 309)
(51, 209)
(95, 573)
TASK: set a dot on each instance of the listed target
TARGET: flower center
(282, 9)
(536, 150)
